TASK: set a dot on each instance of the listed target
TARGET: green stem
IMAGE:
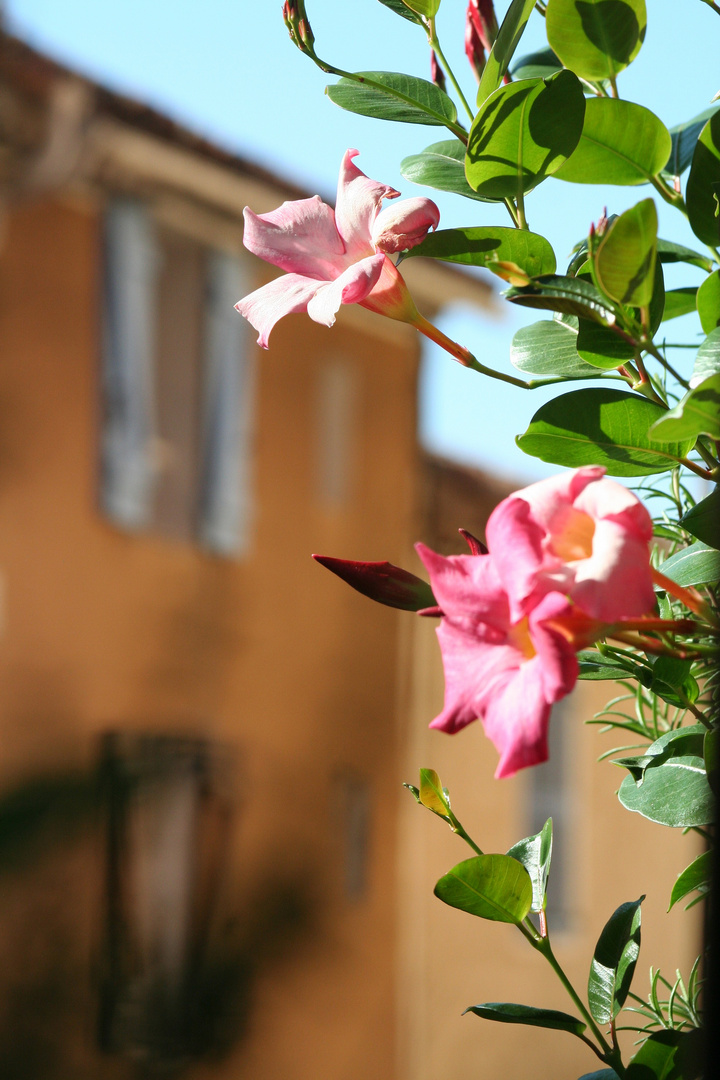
(435, 44)
(609, 1055)
(510, 207)
(706, 474)
(650, 348)
(668, 194)
(522, 220)
(710, 461)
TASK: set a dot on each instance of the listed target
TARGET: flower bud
(437, 74)
(383, 582)
(298, 26)
(482, 14)
(473, 44)
(404, 225)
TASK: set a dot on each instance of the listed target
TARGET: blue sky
(228, 69)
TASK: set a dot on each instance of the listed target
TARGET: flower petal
(284, 295)
(353, 285)
(299, 237)
(357, 205)
(404, 225)
(475, 669)
(517, 720)
(467, 586)
(615, 582)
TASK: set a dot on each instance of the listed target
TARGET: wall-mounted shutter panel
(128, 469)
(226, 493)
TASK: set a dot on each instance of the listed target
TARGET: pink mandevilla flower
(580, 534)
(334, 257)
(508, 674)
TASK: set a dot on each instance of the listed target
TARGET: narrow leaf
(614, 962)
(536, 65)
(570, 295)
(684, 140)
(597, 426)
(509, 1013)
(390, 95)
(502, 52)
(494, 887)
(698, 564)
(400, 9)
(668, 252)
(679, 302)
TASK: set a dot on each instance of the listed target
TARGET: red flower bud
(437, 74)
(473, 43)
(383, 582)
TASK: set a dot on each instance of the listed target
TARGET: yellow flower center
(574, 538)
(519, 637)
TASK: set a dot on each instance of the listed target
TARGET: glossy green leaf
(502, 52)
(707, 360)
(668, 252)
(441, 166)
(433, 795)
(708, 302)
(703, 184)
(698, 564)
(598, 426)
(601, 347)
(600, 1074)
(697, 413)
(670, 679)
(487, 245)
(684, 140)
(621, 143)
(669, 1055)
(596, 38)
(613, 962)
(596, 667)
(695, 878)
(535, 853)
(401, 9)
(668, 784)
(536, 65)
(427, 8)
(703, 519)
(570, 295)
(549, 348)
(494, 887)
(523, 133)
(509, 1013)
(394, 96)
(679, 302)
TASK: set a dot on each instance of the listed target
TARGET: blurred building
(207, 864)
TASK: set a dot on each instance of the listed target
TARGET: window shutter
(128, 469)
(226, 503)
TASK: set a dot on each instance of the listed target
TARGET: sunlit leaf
(391, 95)
(621, 143)
(506, 42)
(596, 38)
(494, 887)
(708, 302)
(509, 1013)
(488, 245)
(549, 348)
(441, 166)
(703, 184)
(696, 877)
(613, 962)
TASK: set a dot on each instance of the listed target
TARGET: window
(178, 385)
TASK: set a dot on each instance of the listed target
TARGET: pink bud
(404, 225)
(383, 582)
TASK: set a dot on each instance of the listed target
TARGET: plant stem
(434, 43)
(510, 207)
(649, 347)
(706, 474)
(522, 220)
(673, 197)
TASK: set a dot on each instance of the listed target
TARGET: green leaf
(494, 887)
(600, 347)
(400, 9)
(621, 143)
(669, 1055)
(488, 245)
(698, 413)
(596, 38)
(684, 140)
(441, 166)
(708, 302)
(679, 302)
(523, 133)
(433, 795)
(696, 877)
(570, 295)
(668, 252)
(502, 52)
(707, 361)
(509, 1013)
(549, 348)
(601, 1074)
(536, 65)
(613, 963)
(698, 564)
(669, 784)
(394, 96)
(595, 667)
(535, 853)
(670, 679)
(703, 519)
(428, 8)
(704, 184)
(597, 426)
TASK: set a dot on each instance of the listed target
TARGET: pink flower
(580, 534)
(508, 673)
(336, 257)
